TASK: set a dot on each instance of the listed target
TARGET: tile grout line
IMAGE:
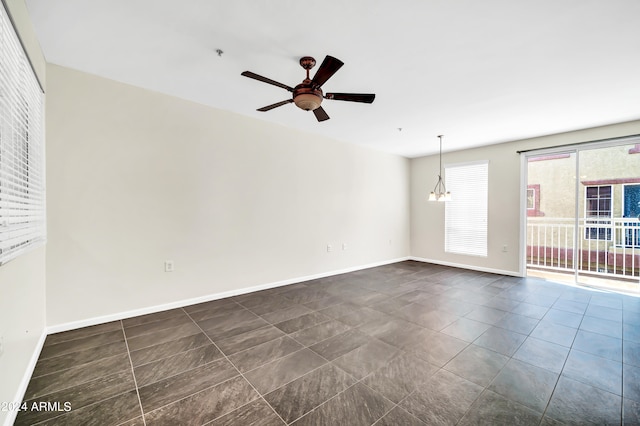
(325, 402)
(76, 338)
(163, 330)
(394, 405)
(555, 386)
(331, 362)
(135, 382)
(62, 415)
(397, 405)
(75, 351)
(328, 362)
(170, 356)
(236, 368)
(503, 294)
(195, 393)
(154, 330)
(33, 399)
(215, 345)
(342, 392)
(486, 388)
(181, 372)
(86, 364)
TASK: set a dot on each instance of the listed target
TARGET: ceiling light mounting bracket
(307, 62)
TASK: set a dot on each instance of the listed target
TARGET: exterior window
(631, 210)
(22, 191)
(533, 200)
(466, 213)
(598, 202)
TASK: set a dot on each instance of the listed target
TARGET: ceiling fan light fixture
(307, 101)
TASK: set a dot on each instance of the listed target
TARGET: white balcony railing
(608, 247)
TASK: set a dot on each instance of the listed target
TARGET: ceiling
(478, 72)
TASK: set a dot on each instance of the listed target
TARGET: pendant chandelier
(440, 192)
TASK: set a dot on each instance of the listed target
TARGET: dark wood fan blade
(328, 68)
(367, 98)
(320, 114)
(266, 80)
(276, 105)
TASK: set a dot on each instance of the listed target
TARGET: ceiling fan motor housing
(306, 97)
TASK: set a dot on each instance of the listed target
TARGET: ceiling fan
(308, 94)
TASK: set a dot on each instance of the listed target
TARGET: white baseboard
(186, 302)
(462, 266)
(24, 383)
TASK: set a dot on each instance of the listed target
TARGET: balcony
(608, 249)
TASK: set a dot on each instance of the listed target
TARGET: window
(466, 213)
(22, 192)
(598, 211)
(631, 209)
(533, 200)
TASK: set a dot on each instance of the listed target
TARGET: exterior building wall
(554, 177)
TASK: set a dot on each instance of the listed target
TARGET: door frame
(558, 150)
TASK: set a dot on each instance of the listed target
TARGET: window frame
(598, 233)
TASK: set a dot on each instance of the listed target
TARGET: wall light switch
(329, 248)
(168, 265)
(344, 246)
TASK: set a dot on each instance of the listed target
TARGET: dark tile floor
(403, 344)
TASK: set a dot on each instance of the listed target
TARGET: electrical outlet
(168, 265)
(504, 248)
(344, 246)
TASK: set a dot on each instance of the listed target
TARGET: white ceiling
(479, 72)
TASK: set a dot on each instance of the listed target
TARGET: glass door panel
(609, 193)
(551, 215)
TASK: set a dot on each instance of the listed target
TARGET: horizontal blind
(466, 213)
(22, 180)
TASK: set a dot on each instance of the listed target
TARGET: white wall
(427, 218)
(136, 177)
(22, 280)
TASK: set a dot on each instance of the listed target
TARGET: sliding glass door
(582, 214)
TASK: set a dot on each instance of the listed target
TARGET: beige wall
(22, 280)
(136, 177)
(427, 219)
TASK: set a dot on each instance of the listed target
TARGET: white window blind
(466, 213)
(22, 180)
